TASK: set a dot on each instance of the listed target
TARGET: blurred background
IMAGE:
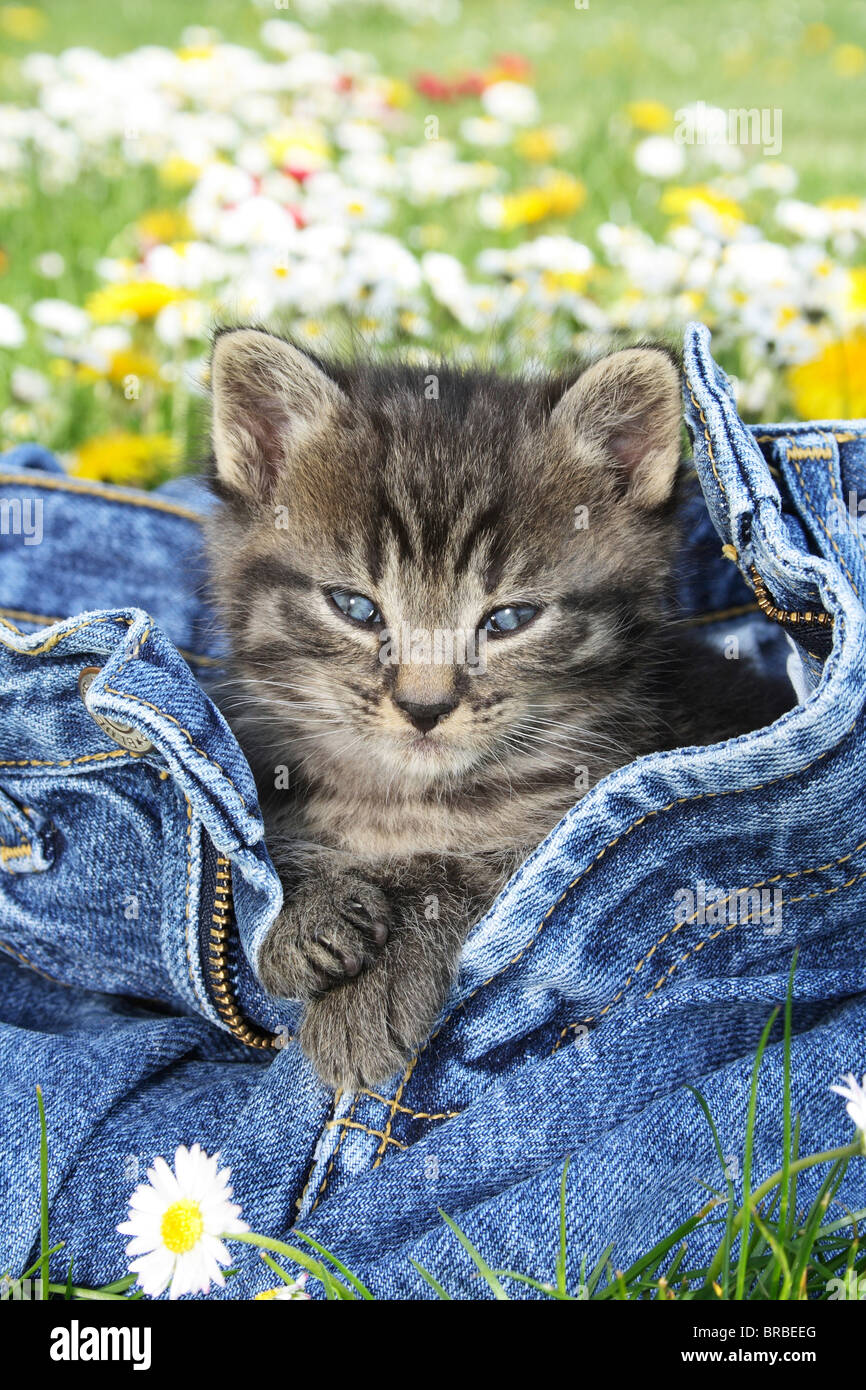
(516, 182)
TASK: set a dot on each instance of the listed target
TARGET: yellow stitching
(707, 438)
(394, 1106)
(42, 620)
(52, 642)
(844, 438)
(792, 455)
(648, 815)
(730, 925)
(330, 1167)
(413, 1114)
(376, 1133)
(812, 451)
(24, 961)
(723, 613)
(14, 851)
(89, 490)
(720, 902)
(68, 762)
(109, 690)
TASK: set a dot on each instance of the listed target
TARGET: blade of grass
(434, 1283)
(43, 1193)
(747, 1158)
(477, 1259)
(560, 1259)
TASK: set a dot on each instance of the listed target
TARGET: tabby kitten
(445, 597)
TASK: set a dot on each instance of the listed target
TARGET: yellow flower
(857, 290)
(849, 59)
(651, 116)
(297, 144)
(164, 225)
(126, 458)
(538, 145)
(139, 299)
(397, 93)
(684, 202)
(559, 196)
(817, 38)
(573, 281)
(833, 385)
(22, 22)
(677, 201)
(189, 55)
(177, 172)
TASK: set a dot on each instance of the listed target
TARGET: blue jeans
(641, 947)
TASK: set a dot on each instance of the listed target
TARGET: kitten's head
(425, 570)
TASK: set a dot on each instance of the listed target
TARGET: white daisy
(855, 1094)
(176, 1220)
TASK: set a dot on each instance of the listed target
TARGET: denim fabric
(585, 1002)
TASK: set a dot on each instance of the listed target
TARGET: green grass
(767, 1248)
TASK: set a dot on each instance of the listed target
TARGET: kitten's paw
(365, 1031)
(329, 931)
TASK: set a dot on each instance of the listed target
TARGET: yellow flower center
(182, 1226)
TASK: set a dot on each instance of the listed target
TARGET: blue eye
(357, 607)
(504, 621)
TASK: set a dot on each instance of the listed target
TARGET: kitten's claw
(329, 932)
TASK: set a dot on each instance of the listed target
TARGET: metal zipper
(219, 969)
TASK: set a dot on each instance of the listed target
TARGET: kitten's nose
(426, 717)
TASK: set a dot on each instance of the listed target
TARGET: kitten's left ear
(627, 408)
(269, 401)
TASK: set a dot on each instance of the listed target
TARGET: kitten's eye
(356, 606)
(504, 621)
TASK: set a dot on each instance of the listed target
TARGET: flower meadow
(289, 182)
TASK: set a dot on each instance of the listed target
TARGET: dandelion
(123, 458)
(832, 386)
(176, 1221)
(855, 1094)
(134, 299)
(651, 116)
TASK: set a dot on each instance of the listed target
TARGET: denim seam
(406, 1110)
(837, 499)
(51, 642)
(4, 946)
(712, 456)
(109, 690)
(46, 620)
(843, 437)
(792, 455)
(649, 815)
(334, 1155)
(395, 1103)
(69, 762)
(689, 921)
(375, 1133)
(57, 485)
(135, 653)
(186, 908)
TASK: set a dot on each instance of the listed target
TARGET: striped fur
(440, 503)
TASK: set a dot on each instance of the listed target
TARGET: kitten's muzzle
(425, 716)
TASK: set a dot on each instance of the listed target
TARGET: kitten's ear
(269, 399)
(627, 408)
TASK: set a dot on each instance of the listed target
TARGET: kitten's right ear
(269, 400)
